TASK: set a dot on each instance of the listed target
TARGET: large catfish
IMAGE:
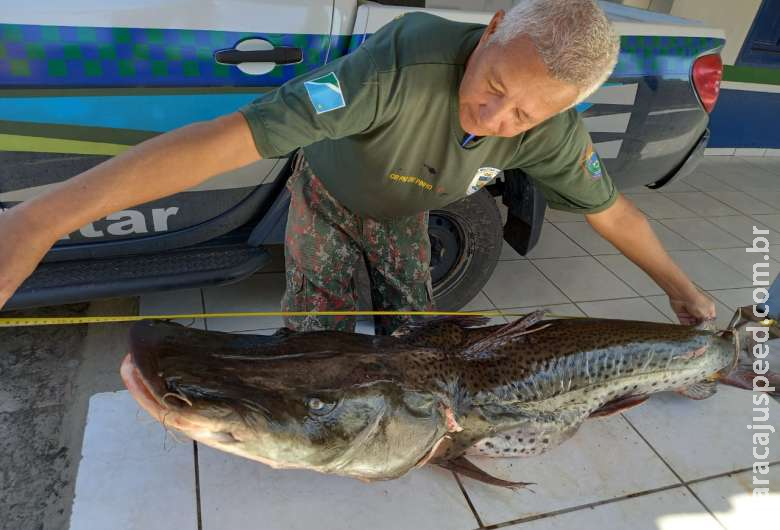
(374, 407)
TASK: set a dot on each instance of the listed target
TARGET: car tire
(466, 239)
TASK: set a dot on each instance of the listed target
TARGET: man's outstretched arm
(161, 166)
(623, 225)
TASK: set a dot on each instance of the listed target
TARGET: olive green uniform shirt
(380, 128)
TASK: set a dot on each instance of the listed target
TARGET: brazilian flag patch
(592, 163)
(325, 93)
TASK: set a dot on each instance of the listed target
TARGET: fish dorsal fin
(522, 324)
(464, 467)
(617, 405)
(701, 390)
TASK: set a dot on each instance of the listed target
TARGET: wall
(735, 18)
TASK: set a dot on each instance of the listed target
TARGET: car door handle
(277, 55)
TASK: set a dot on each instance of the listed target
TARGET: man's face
(506, 89)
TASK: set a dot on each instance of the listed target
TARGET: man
(423, 113)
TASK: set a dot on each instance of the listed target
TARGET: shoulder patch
(325, 93)
(591, 163)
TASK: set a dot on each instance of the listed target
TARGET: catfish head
(327, 401)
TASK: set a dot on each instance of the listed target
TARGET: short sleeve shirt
(380, 128)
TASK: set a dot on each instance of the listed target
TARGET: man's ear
(492, 26)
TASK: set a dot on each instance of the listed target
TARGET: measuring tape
(13, 322)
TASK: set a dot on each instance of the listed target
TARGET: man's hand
(693, 309)
(22, 249)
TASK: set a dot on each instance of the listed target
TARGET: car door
(84, 80)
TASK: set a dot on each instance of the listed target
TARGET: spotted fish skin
(524, 393)
(374, 407)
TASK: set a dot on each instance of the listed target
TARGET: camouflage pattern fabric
(324, 245)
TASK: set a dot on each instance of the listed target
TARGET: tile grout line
(683, 482)
(594, 504)
(468, 499)
(198, 509)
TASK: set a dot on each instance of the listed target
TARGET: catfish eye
(317, 406)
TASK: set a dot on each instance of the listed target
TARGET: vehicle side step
(79, 281)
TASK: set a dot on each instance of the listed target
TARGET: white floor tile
(657, 206)
(677, 186)
(186, 301)
(519, 284)
(706, 272)
(583, 278)
(772, 220)
(586, 237)
(669, 239)
(719, 151)
(742, 202)
(478, 303)
(674, 509)
(624, 309)
(731, 499)
(702, 204)
(703, 181)
(703, 233)
(742, 226)
(559, 216)
(589, 467)
(127, 477)
(749, 151)
(554, 244)
(631, 274)
(239, 494)
(744, 262)
(261, 292)
(705, 437)
(769, 197)
(734, 298)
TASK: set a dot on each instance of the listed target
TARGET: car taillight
(707, 73)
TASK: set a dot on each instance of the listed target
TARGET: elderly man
(423, 113)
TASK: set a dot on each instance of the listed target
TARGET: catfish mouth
(148, 395)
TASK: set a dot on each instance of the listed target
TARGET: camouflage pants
(324, 245)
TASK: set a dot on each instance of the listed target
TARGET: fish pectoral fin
(617, 405)
(701, 390)
(463, 466)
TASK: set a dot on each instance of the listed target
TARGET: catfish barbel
(374, 407)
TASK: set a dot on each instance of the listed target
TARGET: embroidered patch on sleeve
(592, 164)
(325, 93)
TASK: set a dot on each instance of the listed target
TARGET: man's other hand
(20, 252)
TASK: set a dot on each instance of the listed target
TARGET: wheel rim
(449, 243)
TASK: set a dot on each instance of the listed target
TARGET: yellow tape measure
(12, 322)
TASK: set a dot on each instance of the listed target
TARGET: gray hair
(573, 37)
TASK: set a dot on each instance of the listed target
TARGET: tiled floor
(670, 463)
